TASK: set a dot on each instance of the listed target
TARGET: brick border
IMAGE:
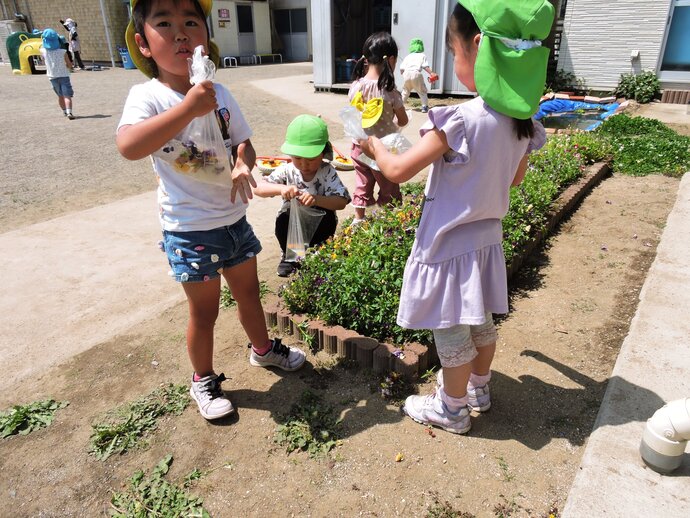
(413, 359)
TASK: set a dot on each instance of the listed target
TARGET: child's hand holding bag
(200, 152)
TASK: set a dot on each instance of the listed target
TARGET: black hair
(376, 47)
(142, 10)
(463, 27)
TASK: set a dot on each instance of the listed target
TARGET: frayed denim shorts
(201, 255)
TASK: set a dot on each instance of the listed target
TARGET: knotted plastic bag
(302, 226)
(201, 153)
(396, 143)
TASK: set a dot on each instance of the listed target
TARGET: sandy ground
(556, 348)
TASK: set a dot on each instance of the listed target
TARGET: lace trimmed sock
(454, 404)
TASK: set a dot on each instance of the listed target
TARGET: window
(244, 18)
(677, 52)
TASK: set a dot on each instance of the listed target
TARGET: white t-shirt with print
(326, 182)
(186, 204)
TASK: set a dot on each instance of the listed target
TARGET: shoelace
(279, 348)
(213, 386)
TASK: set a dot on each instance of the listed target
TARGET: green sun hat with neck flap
(416, 45)
(145, 64)
(510, 70)
(306, 137)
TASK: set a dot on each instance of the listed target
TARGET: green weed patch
(24, 419)
(152, 496)
(643, 146)
(126, 427)
(310, 426)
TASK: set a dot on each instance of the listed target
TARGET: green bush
(562, 81)
(643, 146)
(643, 87)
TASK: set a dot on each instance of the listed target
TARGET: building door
(291, 25)
(675, 63)
(246, 41)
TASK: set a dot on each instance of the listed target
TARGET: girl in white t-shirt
(205, 230)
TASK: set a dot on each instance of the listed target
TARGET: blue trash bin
(126, 58)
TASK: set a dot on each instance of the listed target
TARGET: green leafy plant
(354, 279)
(151, 495)
(227, 301)
(642, 146)
(24, 419)
(562, 81)
(310, 426)
(643, 87)
(126, 427)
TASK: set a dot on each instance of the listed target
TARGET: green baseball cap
(144, 64)
(510, 70)
(416, 45)
(306, 137)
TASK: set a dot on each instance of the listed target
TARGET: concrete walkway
(653, 364)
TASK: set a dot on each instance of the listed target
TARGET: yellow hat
(371, 110)
(143, 63)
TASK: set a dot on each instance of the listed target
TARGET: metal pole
(107, 34)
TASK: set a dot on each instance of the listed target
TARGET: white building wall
(599, 37)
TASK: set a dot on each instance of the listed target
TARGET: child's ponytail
(359, 72)
(386, 77)
(376, 50)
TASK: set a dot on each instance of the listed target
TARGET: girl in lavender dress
(455, 277)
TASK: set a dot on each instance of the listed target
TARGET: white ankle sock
(454, 404)
(479, 381)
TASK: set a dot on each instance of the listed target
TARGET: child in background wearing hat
(374, 87)
(205, 229)
(411, 70)
(310, 178)
(455, 277)
(58, 67)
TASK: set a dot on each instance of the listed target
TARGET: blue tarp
(564, 106)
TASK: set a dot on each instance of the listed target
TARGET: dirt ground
(571, 306)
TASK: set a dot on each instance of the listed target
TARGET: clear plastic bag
(201, 153)
(396, 143)
(302, 225)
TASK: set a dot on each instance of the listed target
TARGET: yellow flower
(334, 256)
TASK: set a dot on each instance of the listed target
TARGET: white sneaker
(431, 410)
(212, 401)
(281, 356)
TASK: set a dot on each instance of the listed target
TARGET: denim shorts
(62, 86)
(201, 255)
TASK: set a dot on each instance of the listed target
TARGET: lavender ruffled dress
(456, 272)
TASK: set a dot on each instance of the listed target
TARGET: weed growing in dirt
(395, 388)
(507, 475)
(310, 426)
(444, 509)
(227, 301)
(24, 419)
(152, 495)
(126, 426)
